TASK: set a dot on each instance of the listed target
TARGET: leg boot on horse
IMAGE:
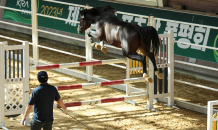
(90, 34)
(152, 58)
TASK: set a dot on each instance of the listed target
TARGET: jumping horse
(128, 36)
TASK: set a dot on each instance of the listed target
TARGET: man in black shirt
(42, 99)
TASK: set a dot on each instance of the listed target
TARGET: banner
(182, 32)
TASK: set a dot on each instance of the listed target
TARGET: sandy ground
(119, 115)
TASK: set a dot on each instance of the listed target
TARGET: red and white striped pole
(105, 83)
(78, 64)
(100, 101)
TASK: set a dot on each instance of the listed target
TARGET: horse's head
(85, 20)
(89, 16)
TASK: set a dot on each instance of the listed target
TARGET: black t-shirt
(43, 99)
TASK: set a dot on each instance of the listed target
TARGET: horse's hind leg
(152, 58)
(138, 57)
(144, 66)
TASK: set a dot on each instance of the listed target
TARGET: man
(42, 99)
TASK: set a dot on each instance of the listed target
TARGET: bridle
(81, 22)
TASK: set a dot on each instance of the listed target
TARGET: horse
(128, 36)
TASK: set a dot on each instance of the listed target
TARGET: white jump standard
(14, 80)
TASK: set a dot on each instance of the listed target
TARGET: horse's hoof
(89, 33)
(149, 80)
(97, 46)
(90, 39)
(93, 44)
(104, 50)
(159, 76)
(145, 75)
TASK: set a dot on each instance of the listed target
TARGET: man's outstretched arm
(61, 104)
(27, 112)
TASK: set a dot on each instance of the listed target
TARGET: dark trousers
(38, 125)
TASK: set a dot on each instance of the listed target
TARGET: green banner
(18, 16)
(182, 32)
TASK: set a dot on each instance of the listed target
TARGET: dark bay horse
(128, 36)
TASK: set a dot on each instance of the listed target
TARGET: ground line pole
(2, 89)
(35, 32)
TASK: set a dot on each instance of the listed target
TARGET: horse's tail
(150, 37)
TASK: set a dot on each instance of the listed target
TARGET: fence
(211, 119)
(14, 80)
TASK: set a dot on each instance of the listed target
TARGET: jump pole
(105, 83)
(100, 101)
(78, 64)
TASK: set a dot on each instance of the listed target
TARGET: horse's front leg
(91, 34)
(97, 46)
(90, 37)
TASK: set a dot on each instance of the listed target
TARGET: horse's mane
(98, 10)
(106, 9)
